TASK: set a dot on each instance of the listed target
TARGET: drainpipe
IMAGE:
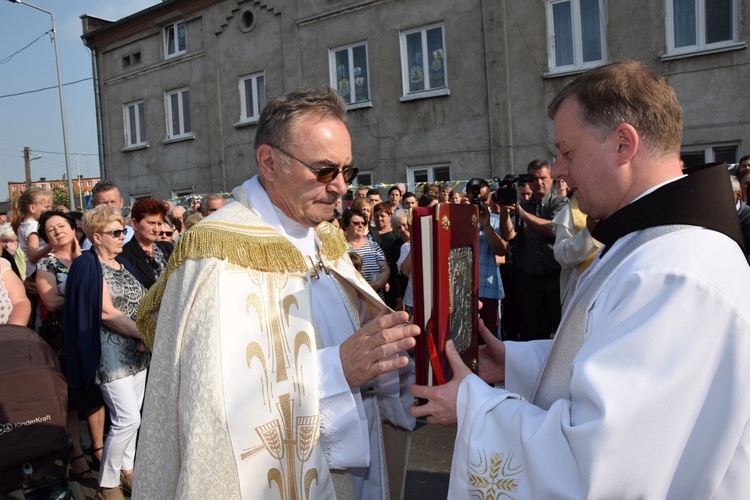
(98, 108)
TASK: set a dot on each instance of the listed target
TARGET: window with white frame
(423, 67)
(350, 74)
(179, 193)
(135, 124)
(575, 33)
(252, 96)
(178, 114)
(710, 153)
(428, 173)
(701, 25)
(175, 39)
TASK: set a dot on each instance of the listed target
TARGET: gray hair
(278, 119)
(736, 188)
(213, 196)
(7, 233)
(400, 213)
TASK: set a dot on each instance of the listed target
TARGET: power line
(60, 153)
(45, 88)
(7, 59)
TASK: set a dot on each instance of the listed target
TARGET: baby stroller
(33, 411)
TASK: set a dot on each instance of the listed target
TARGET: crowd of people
(525, 261)
(77, 279)
(274, 367)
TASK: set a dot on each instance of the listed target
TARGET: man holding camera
(535, 268)
(490, 245)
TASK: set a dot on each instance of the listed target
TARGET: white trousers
(124, 398)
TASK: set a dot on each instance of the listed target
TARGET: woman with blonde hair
(102, 342)
(12, 251)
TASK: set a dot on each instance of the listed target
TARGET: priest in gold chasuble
(277, 372)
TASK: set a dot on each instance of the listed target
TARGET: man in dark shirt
(536, 270)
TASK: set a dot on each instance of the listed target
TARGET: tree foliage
(60, 196)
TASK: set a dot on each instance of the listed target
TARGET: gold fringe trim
(333, 243)
(255, 247)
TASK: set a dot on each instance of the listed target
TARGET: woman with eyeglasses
(171, 230)
(145, 251)
(365, 206)
(102, 343)
(374, 266)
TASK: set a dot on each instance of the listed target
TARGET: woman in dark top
(148, 255)
(382, 219)
(58, 230)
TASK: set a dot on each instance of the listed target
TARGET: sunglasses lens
(350, 173)
(327, 174)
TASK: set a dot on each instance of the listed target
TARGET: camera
(507, 193)
(474, 190)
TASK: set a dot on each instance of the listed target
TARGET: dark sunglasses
(117, 232)
(166, 233)
(325, 174)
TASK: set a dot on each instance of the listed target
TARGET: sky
(30, 116)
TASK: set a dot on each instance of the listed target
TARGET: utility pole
(27, 165)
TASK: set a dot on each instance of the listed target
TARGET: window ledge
(705, 51)
(136, 147)
(245, 123)
(426, 94)
(189, 137)
(359, 105)
(167, 57)
(567, 71)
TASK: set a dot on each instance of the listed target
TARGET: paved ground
(429, 462)
(426, 478)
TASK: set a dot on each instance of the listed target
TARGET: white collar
(302, 237)
(654, 188)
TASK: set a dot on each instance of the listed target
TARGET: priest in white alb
(643, 393)
(277, 372)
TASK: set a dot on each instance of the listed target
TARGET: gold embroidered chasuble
(232, 406)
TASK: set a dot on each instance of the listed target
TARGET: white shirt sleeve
(402, 255)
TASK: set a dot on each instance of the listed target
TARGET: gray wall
(493, 122)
